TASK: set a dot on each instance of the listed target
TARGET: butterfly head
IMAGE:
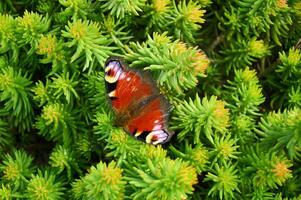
(158, 137)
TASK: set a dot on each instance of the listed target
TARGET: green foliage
(116, 31)
(176, 66)
(224, 149)
(94, 89)
(102, 182)
(41, 93)
(245, 18)
(53, 52)
(16, 168)
(197, 156)
(76, 9)
(160, 13)
(290, 65)
(57, 123)
(186, 20)
(225, 180)
(282, 130)
(30, 27)
(243, 127)
(119, 8)
(103, 128)
(158, 180)
(242, 53)
(182, 20)
(44, 186)
(14, 91)
(294, 97)
(120, 145)
(229, 69)
(244, 93)
(85, 146)
(84, 37)
(6, 138)
(64, 86)
(286, 79)
(201, 117)
(64, 160)
(8, 38)
(7, 193)
(265, 170)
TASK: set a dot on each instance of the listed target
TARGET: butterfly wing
(139, 107)
(123, 86)
(150, 124)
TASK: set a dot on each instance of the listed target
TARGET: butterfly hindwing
(150, 124)
(138, 106)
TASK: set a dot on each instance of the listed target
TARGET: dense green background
(230, 69)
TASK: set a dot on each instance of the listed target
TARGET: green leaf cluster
(231, 71)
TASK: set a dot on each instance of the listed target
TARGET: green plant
(16, 168)
(14, 90)
(230, 71)
(44, 186)
(102, 182)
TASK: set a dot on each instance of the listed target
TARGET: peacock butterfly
(139, 107)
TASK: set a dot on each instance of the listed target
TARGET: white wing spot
(122, 76)
(128, 79)
(157, 127)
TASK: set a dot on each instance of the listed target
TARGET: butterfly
(139, 107)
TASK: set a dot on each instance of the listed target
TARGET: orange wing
(137, 103)
(130, 88)
(150, 124)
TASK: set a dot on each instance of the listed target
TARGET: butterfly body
(137, 103)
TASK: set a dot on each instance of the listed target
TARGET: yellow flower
(193, 13)
(294, 117)
(257, 48)
(153, 152)
(6, 23)
(297, 8)
(281, 171)
(161, 6)
(188, 175)
(226, 150)
(178, 48)
(221, 114)
(161, 39)
(47, 45)
(40, 90)
(28, 20)
(111, 174)
(248, 75)
(254, 92)
(200, 156)
(294, 57)
(78, 30)
(119, 136)
(81, 29)
(52, 113)
(282, 4)
(11, 172)
(201, 62)
(6, 81)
